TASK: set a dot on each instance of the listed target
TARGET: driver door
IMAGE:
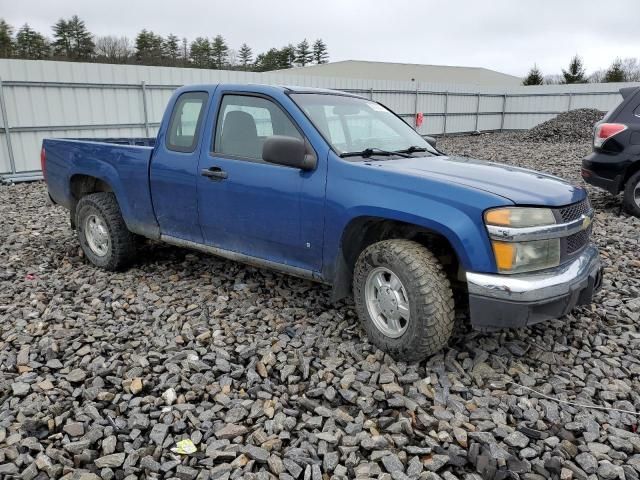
(246, 205)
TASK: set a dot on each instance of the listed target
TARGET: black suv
(615, 162)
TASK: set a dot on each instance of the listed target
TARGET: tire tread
(123, 242)
(435, 304)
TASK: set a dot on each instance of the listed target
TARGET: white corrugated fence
(40, 99)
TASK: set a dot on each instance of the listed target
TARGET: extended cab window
(185, 122)
(245, 122)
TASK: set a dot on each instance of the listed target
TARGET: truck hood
(521, 186)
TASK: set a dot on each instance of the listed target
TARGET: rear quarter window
(186, 118)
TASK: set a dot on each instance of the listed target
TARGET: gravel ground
(101, 374)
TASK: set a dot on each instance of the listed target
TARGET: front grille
(574, 244)
(578, 241)
(573, 212)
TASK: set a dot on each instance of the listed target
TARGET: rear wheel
(631, 198)
(103, 235)
(403, 299)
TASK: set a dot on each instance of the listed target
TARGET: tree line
(620, 70)
(71, 40)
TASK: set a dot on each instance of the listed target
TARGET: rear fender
(107, 174)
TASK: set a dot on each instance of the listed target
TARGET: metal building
(444, 74)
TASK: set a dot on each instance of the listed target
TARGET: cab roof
(263, 88)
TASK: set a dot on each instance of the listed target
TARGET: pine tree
(219, 51)
(201, 53)
(184, 52)
(534, 77)
(303, 53)
(246, 56)
(269, 60)
(31, 44)
(320, 54)
(575, 74)
(82, 39)
(6, 39)
(171, 49)
(286, 57)
(62, 39)
(615, 72)
(72, 40)
(149, 49)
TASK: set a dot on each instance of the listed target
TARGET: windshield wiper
(367, 152)
(412, 149)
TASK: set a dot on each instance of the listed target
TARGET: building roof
(407, 72)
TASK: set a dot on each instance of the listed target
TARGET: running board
(241, 257)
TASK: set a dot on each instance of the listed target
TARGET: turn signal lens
(499, 216)
(519, 217)
(504, 253)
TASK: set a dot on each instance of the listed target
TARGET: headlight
(518, 257)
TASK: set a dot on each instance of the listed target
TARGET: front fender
(468, 238)
(356, 190)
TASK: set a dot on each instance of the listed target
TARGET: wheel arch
(631, 171)
(363, 231)
(82, 184)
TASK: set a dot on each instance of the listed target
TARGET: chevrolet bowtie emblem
(586, 222)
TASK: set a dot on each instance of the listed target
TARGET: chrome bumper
(501, 301)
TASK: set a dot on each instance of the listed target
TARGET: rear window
(186, 118)
(613, 109)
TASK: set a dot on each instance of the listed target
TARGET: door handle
(214, 173)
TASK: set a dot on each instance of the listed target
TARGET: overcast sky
(505, 35)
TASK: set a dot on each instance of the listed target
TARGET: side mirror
(430, 140)
(288, 151)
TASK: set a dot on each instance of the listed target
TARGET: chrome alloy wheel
(387, 302)
(636, 194)
(97, 235)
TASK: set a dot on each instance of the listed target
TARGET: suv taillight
(604, 131)
(43, 162)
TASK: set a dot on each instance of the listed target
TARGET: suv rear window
(607, 117)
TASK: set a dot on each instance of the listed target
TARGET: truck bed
(122, 163)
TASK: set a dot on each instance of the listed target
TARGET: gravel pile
(573, 126)
(101, 374)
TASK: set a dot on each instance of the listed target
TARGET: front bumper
(507, 301)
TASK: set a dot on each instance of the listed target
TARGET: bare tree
(597, 76)
(112, 49)
(631, 68)
(553, 79)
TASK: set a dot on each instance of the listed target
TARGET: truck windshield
(358, 127)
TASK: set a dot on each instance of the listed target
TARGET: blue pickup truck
(336, 188)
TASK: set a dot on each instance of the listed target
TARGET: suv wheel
(102, 233)
(403, 299)
(631, 197)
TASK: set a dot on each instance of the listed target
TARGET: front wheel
(631, 198)
(403, 299)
